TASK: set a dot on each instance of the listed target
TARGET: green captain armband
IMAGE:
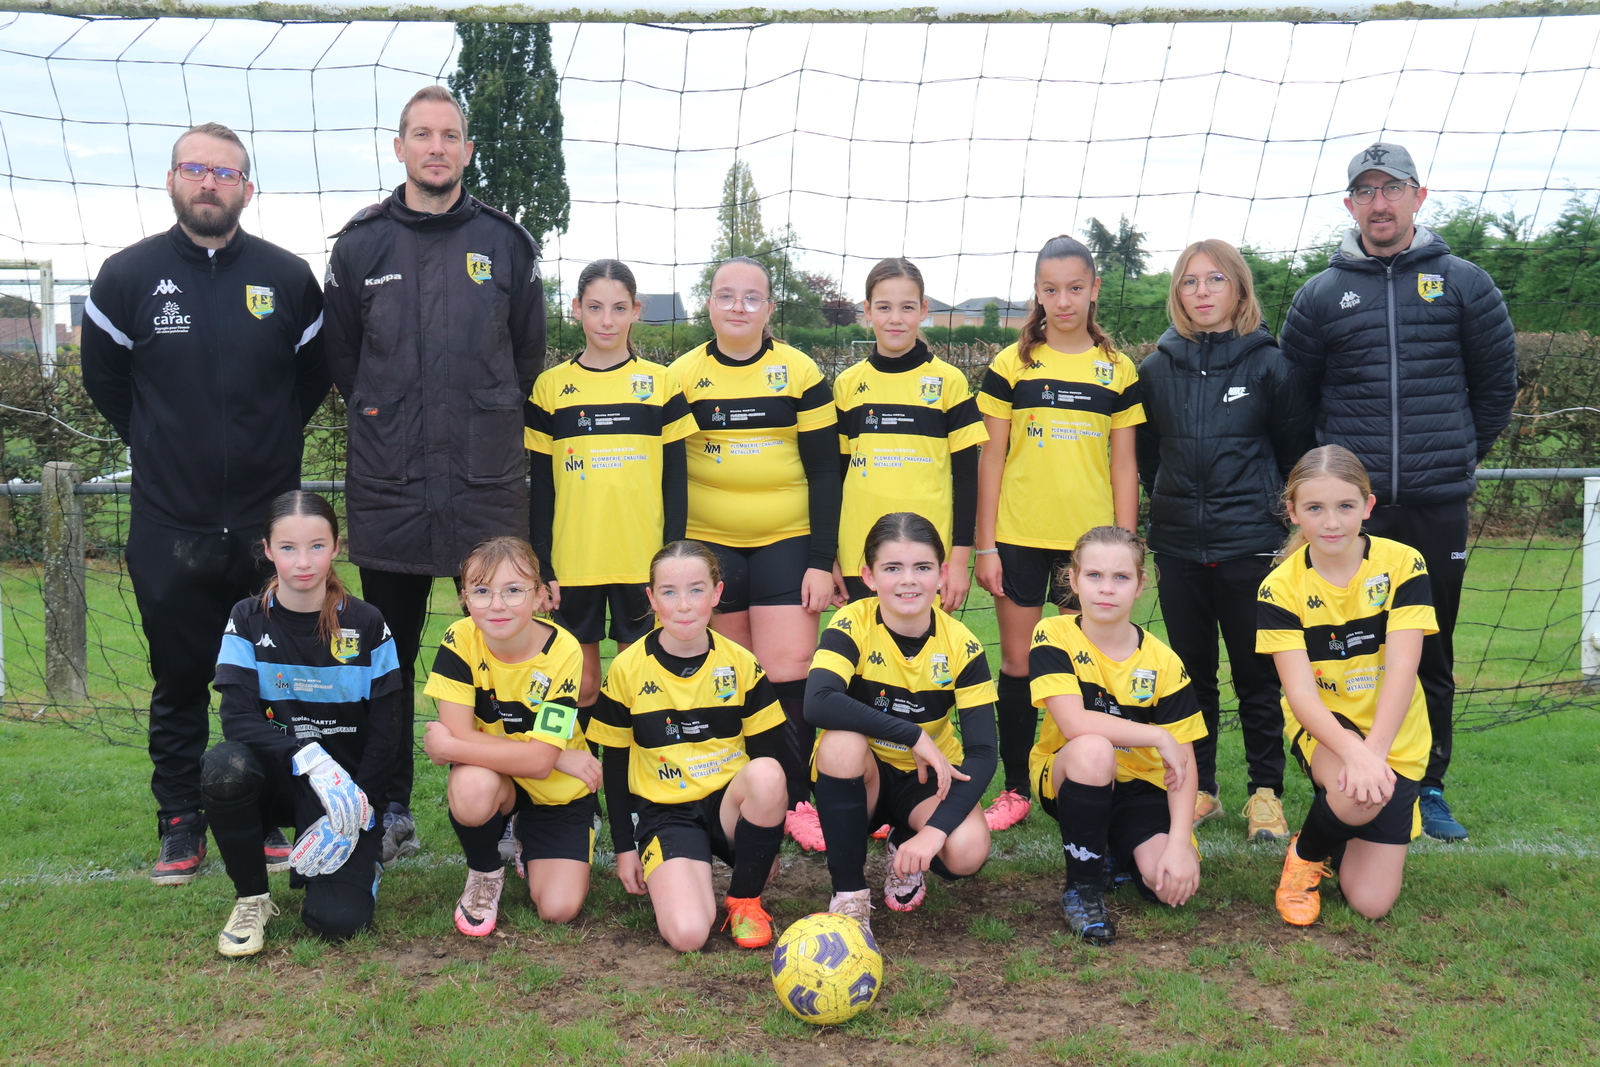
(557, 720)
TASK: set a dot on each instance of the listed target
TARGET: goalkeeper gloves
(321, 849)
(348, 810)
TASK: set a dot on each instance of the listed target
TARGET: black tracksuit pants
(1439, 532)
(185, 584)
(1196, 600)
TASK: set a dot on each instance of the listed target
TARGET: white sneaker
(246, 931)
(479, 907)
(857, 905)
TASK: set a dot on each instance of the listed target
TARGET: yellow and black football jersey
(602, 432)
(1151, 686)
(899, 421)
(532, 701)
(1344, 632)
(747, 487)
(1057, 481)
(685, 734)
(949, 673)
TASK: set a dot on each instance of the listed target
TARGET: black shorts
(762, 577)
(556, 831)
(1398, 822)
(899, 793)
(583, 612)
(1030, 575)
(1138, 812)
(857, 589)
(691, 830)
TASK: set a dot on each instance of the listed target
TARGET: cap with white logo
(1392, 159)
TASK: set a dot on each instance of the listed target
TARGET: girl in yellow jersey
(764, 487)
(690, 725)
(1114, 765)
(1060, 406)
(509, 730)
(893, 680)
(908, 431)
(1343, 616)
(609, 483)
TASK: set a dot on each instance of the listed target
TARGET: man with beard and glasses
(436, 331)
(1410, 359)
(202, 347)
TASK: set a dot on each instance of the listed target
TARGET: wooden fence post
(66, 607)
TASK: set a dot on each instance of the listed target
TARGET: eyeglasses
(511, 596)
(196, 172)
(1216, 282)
(727, 301)
(1363, 194)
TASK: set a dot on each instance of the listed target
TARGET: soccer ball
(827, 969)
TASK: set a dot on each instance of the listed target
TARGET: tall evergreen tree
(506, 80)
(740, 233)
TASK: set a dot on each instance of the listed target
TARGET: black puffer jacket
(1226, 420)
(1410, 364)
(435, 332)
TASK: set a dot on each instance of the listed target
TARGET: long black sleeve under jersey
(674, 491)
(819, 455)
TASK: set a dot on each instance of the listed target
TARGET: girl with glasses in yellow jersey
(510, 732)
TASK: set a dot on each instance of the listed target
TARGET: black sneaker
(399, 835)
(276, 848)
(1084, 907)
(183, 847)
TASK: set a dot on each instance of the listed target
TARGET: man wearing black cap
(1411, 362)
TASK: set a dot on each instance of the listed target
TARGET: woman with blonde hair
(1227, 419)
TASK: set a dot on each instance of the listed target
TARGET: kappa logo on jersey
(1377, 588)
(1142, 684)
(345, 645)
(383, 280)
(1235, 392)
(778, 377)
(449, 636)
(704, 383)
(941, 669)
(480, 268)
(483, 665)
(538, 687)
(862, 387)
(644, 386)
(649, 689)
(932, 388)
(843, 624)
(1418, 564)
(165, 287)
(1040, 637)
(385, 631)
(1082, 657)
(1079, 853)
(265, 642)
(172, 319)
(973, 648)
(1349, 300)
(1103, 371)
(568, 687)
(258, 299)
(1314, 601)
(568, 389)
(1430, 286)
(876, 658)
(230, 628)
(723, 683)
(1264, 593)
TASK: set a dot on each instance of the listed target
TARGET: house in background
(970, 312)
(662, 309)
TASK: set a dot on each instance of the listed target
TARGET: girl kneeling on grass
(510, 732)
(692, 729)
(310, 711)
(891, 678)
(1115, 760)
(1343, 616)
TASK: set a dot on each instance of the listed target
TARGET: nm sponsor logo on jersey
(480, 268)
(258, 299)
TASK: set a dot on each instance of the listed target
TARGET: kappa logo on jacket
(165, 287)
(1349, 300)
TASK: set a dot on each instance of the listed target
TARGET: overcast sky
(964, 147)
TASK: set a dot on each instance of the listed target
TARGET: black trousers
(185, 585)
(247, 793)
(1197, 599)
(402, 600)
(1439, 532)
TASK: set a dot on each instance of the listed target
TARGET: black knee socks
(482, 843)
(1084, 814)
(1018, 721)
(754, 848)
(842, 810)
(1323, 834)
(799, 737)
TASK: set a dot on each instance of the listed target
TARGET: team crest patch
(932, 388)
(723, 683)
(941, 669)
(1430, 286)
(480, 268)
(258, 298)
(1142, 685)
(1377, 590)
(346, 645)
(538, 688)
(1102, 372)
(644, 386)
(778, 377)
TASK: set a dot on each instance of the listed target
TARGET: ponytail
(300, 502)
(1032, 333)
